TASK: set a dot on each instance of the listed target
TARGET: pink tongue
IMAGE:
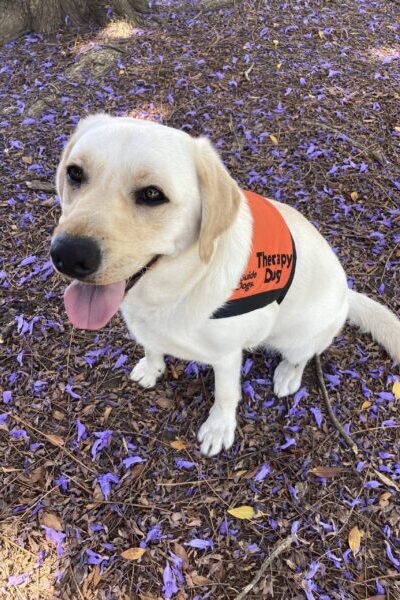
(92, 306)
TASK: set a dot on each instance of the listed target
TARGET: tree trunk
(46, 16)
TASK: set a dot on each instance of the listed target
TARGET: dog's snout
(76, 257)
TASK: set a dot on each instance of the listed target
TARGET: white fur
(168, 310)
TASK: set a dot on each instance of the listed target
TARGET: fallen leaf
(274, 139)
(397, 129)
(378, 597)
(200, 580)
(366, 404)
(275, 42)
(354, 196)
(180, 551)
(178, 445)
(386, 480)
(27, 160)
(327, 472)
(354, 540)
(58, 415)
(56, 440)
(51, 520)
(165, 402)
(244, 512)
(133, 553)
(96, 576)
(321, 34)
(383, 500)
(396, 390)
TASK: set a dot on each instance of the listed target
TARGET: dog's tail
(377, 320)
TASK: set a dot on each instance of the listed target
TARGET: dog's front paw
(287, 378)
(217, 432)
(144, 374)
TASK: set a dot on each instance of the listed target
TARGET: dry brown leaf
(36, 475)
(354, 540)
(366, 404)
(354, 196)
(178, 445)
(58, 415)
(133, 553)
(327, 472)
(383, 500)
(378, 597)
(386, 480)
(164, 402)
(181, 552)
(274, 139)
(56, 440)
(200, 580)
(96, 576)
(27, 160)
(51, 520)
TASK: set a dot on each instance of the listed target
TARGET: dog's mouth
(91, 306)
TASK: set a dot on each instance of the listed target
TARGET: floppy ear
(220, 197)
(83, 126)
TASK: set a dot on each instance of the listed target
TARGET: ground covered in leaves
(103, 491)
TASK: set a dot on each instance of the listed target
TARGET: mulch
(301, 99)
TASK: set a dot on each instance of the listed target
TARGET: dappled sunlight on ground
(113, 32)
(384, 54)
(29, 565)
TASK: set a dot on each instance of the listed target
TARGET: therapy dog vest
(271, 265)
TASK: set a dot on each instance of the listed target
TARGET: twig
(266, 563)
(350, 442)
(42, 186)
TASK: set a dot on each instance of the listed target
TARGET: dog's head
(132, 191)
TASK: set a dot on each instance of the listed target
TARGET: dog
(153, 224)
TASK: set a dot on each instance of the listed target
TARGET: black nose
(77, 257)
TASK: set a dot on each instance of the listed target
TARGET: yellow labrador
(153, 224)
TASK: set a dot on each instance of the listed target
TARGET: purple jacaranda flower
(289, 442)
(3, 418)
(56, 536)
(262, 472)
(317, 415)
(132, 460)
(120, 361)
(82, 433)
(224, 529)
(169, 588)
(248, 389)
(68, 389)
(104, 482)
(62, 482)
(19, 433)
(389, 553)
(93, 558)
(103, 437)
(200, 544)
(184, 464)
(18, 579)
(372, 484)
(7, 397)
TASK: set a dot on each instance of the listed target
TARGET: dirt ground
(301, 99)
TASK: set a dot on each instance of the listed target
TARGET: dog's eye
(75, 175)
(150, 196)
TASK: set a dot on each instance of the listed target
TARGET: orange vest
(271, 265)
